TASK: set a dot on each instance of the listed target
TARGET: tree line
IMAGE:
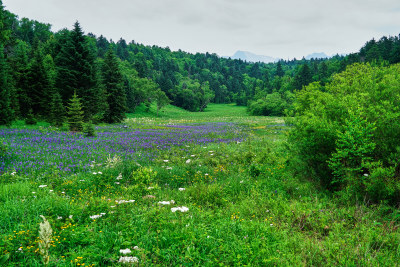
(41, 71)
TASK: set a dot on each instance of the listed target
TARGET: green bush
(343, 129)
(88, 129)
(272, 105)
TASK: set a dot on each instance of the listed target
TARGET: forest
(41, 70)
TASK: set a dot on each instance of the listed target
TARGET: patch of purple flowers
(32, 151)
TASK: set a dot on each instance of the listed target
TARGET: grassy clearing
(244, 206)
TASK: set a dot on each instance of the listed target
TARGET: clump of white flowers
(45, 233)
(181, 209)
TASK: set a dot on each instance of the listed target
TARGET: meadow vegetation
(202, 189)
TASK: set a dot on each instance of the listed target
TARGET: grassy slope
(245, 208)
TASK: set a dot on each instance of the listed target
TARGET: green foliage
(88, 129)
(3, 148)
(6, 113)
(113, 83)
(143, 179)
(351, 124)
(272, 105)
(75, 114)
(30, 119)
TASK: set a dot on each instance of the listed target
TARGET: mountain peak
(250, 57)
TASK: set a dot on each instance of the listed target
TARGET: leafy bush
(88, 129)
(344, 129)
(272, 105)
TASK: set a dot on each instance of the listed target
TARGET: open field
(191, 189)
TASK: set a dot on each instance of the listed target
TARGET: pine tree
(6, 114)
(75, 114)
(39, 88)
(76, 70)
(57, 110)
(113, 83)
(279, 71)
(19, 64)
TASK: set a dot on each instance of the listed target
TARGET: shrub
(340, 131)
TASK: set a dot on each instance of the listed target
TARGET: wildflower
(128, 259)
(169, 168)
(43, 185)
(70, 216)
(181, 189)
(125, 251)
(206, 174)
(193, 155)
(94, 173)
(33, 192)
(45, 233)
(366, 174)
(165, 160)
(81, 180)
(164, 202)
(181, 209)
(150, 187)
(117, 182)
(136, 248)
(241, 181)
(119, 176)
(59, 218)
(51, 191)
(100, 173)
(94, 217)
(13, 173)
(188, 161)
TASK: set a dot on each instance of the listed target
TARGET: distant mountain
(250, 57)
(317, 55)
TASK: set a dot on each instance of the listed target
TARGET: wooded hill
(40, 71)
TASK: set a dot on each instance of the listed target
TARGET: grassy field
(181, 189)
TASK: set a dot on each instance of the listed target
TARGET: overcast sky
(277, 28)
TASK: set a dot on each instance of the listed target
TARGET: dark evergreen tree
(75, 114)
(19, 64)
(6, 115)
(303, 77)
(57, 110)
(279, 70)
(39, 88)
(114, 86)
(76, 70)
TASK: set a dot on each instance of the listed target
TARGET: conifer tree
(57, 110)
(76, 70)
(75, 114)
(39, 84)
(113, 83)
(6, 114)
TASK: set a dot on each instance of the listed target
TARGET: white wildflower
(117, 182)
(119, 176)
(43, 185)
(181, 209)
(81, 180)
(59, 218)
(193, 155)
(100, 173)
(188, 161)
(181, 189)
(33, 192)
(169, 168)
(241, 181)
(206, 174)
(70, 216)
(366, 174)
(94, 217)
(136, 248)
(125, 251)
(164, 202)
(94, 173)
(165, 160)
(128, 260)
(150, 187)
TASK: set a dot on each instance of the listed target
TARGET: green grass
(245, 208)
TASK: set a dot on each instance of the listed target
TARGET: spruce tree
(6, 114)
(113, 83)
(39, 88)
(57, 110)
(76, 70)
(75, 114)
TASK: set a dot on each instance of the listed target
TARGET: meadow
(181, 189)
